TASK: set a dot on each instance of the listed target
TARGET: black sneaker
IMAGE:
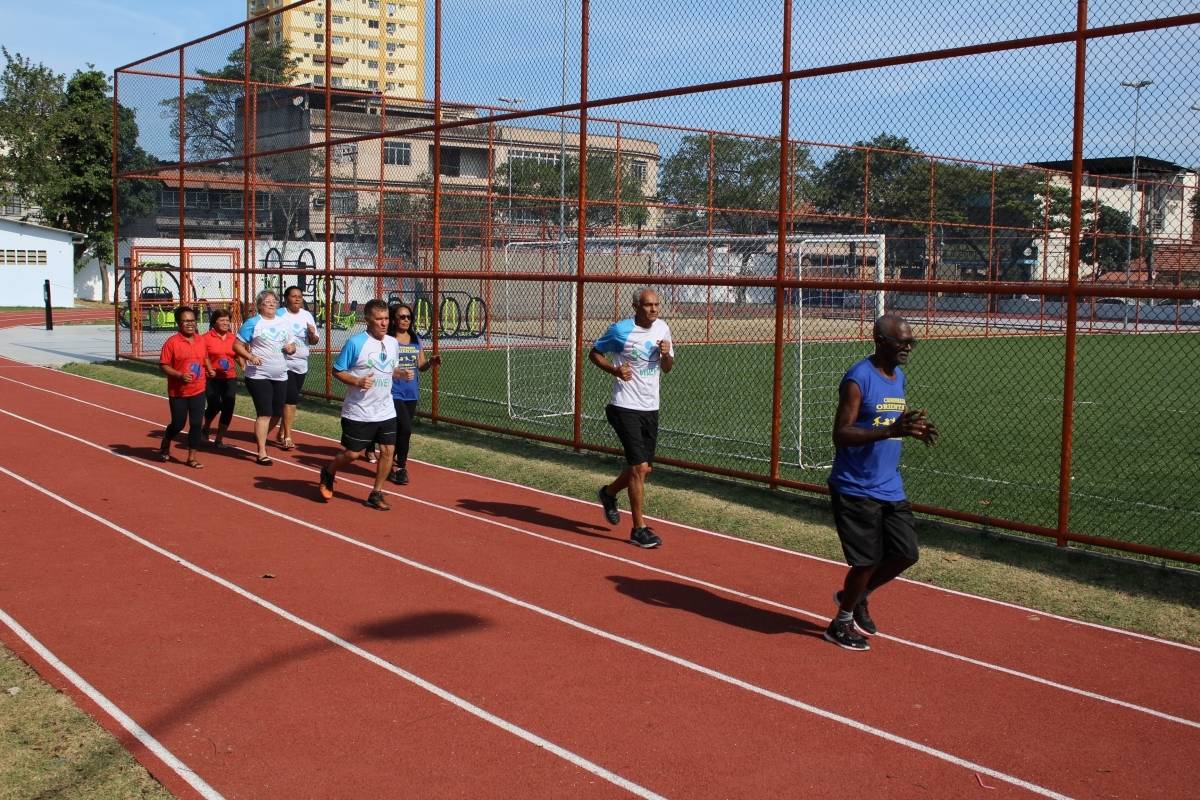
(377, 501)
(610, 506)
(842, 634)
(645, 538)
(862, 617)
(401, 476)
(326, 484)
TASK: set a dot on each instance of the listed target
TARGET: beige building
(374, 45)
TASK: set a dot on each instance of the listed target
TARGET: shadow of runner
(695, 600)
(534, 516)
(425, 624)
(299, 487)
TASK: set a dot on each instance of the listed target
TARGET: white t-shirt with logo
(298, 324)
(637, 347)
(266, 339)
(364, 355)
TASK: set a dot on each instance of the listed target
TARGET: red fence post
(784, 217)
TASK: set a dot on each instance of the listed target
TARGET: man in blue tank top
(873, 517)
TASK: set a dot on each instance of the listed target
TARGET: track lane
(750, 644)
(1090, 658)
(681, 730)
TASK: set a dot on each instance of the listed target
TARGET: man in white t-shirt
(304, 330)
(367, 364)
(635, 352)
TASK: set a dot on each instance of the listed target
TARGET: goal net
(719, 325)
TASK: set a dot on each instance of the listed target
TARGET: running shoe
(645, 538)
(326, 484)
(862, 617)
(611, 514)
(377, 501)
(400, 476)
(842, 634)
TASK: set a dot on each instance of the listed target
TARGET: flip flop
(194, 464)
(287, 444)
(264, 461)
(164, 457)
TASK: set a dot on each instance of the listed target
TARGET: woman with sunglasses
(222, 386)
(406, 387)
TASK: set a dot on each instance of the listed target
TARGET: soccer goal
(824, 330)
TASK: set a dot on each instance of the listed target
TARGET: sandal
(264, 461)
(164, 456)
(194, 464)
(286, 444)
(371, 457)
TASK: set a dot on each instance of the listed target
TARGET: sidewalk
(34, 344)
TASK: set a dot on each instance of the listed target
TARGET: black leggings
(222, 397)
(189, 411)
(406, 412)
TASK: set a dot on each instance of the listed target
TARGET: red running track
(37, 317)
(484, 639)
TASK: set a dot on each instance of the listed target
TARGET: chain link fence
(1018, 180)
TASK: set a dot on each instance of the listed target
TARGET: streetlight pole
(512, 103)
(1137, 87)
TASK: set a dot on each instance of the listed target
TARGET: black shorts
(637, 430)
(295, 382)
(357, 435)
(268, 396)
(871, 530)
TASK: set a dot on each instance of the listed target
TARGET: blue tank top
(872, 470)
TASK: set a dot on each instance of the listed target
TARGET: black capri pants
(295, 382)
(406, 410)
(186, 411)
(268, 396)
(222, 397)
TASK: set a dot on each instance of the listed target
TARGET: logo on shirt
(646, 350)
(297, 328)
(194, 368)
(275, 334)
(380, 362)
(223, 363)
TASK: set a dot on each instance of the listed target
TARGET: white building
(31, 254)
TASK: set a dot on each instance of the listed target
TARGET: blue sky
(1009, 108)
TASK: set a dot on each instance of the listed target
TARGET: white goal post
(540, 328)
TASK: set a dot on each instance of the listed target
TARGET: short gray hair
(263, 295)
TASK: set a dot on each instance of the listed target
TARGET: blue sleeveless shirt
(872, 470)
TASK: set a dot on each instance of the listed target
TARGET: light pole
(512, 103)
(1137, 87)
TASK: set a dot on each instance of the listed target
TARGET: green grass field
(997, 401)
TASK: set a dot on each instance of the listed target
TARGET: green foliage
(744, 175)
(535, 188)
(60, 157)
(213, 112)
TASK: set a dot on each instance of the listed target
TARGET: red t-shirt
(180, 354)
(220, 353)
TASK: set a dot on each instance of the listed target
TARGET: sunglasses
(911, 344)
(404, 316)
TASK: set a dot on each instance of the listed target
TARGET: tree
(60, 156)
(212, 113)
(745, 182)
(535, 186)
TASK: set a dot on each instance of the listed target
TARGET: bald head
(646, 304)
(889, 325)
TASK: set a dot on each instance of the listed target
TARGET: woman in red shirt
(222, 385)
(184, 360)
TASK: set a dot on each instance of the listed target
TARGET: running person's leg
(406, 410)
(262, 392)
(295, 383)
(859, 522)
(179, 417)
(212, 407)
(228, 402)
(195, 412)
(638, 432)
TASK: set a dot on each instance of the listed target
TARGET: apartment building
(374, 45)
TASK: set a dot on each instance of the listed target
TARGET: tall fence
(1016, 179)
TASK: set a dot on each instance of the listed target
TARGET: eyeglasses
(910, 344)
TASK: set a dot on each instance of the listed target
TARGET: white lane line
(570, 621)
(774, 548)
(1015, 673)
(124, 720)
(683, 526)
(333, 638)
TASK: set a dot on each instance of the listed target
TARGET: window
(168, 198)
(338, 19)
(391, 8)
(12, 207)
(372, 3)
(318, 80)
(23, 257)
(231, 200)
(372, 64)
(338, 81)
(391, 48)
(391, 67)
(373, 24)
(318, 18)
(638, 170)
(391, 86)
(372, 45)
(372, 84)
(319, 38)
(195, 198)
(397, 153)
(343, 202)
(339, 39)
(391, 28)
